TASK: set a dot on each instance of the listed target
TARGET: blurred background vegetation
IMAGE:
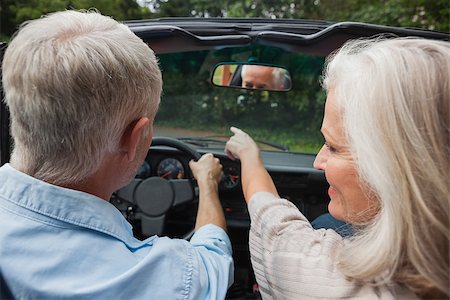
(429, 14)
(291, 119)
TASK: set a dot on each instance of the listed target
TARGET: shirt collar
(67, 205)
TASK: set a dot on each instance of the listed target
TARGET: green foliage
(14, 12)
(426, 14)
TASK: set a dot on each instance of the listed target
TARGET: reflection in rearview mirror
(251, 76)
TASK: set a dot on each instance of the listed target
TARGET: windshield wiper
(206, 141)
(202, 141)
(274, 145)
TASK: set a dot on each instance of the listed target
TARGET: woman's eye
(330, 148)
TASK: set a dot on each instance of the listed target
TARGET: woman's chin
(336, 210)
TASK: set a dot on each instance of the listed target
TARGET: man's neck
(102, 183)
(91, 186)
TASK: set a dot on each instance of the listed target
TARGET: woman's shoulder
(294, 261)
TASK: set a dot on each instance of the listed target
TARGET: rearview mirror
(252, 77)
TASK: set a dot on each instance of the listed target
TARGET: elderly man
(83, 91)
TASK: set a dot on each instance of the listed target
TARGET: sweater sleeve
(291, 260)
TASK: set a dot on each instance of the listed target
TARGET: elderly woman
(386, 158)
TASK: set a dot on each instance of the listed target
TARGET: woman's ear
(133, 136)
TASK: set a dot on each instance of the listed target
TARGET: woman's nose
(321, 159)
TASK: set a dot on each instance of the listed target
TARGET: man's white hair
(395, 97)
(73, 82)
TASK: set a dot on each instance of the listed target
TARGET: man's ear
(133, 136)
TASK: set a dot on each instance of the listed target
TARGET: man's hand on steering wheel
(208, 172)
(207, 168)
(152, 198)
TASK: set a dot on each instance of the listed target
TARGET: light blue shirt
(61, 243)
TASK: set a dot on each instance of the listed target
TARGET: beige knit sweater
(291, 260)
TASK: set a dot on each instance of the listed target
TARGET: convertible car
(262, 76)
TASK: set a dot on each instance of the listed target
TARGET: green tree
(14, 12)
(426, 14)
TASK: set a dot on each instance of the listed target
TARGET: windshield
(192, 107)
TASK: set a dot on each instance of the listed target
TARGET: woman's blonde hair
(395, 97)
(73, 82)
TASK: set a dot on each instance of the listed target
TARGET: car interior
(201, 61)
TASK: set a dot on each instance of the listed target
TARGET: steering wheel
(154, 197)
